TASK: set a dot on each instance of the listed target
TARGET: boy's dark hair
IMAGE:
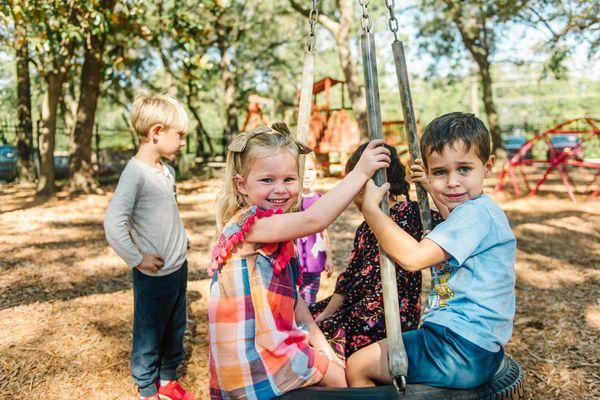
(396, 173)
(453, 127)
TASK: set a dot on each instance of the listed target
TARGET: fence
(111, 148)
(103, 139)
(122, 139)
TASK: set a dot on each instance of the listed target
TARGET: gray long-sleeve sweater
(143, 217)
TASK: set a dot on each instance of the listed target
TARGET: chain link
(313, 18)
(392, 22)
(365, 20)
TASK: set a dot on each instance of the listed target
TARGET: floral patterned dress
(359, 321)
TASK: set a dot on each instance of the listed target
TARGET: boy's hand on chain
(151, 263)
(372, 195)
(418, 174)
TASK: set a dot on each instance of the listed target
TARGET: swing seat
(507, 383)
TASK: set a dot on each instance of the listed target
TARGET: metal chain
(365, 21)
(313, 17)
(392, 22)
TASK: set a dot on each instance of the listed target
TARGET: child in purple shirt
(314, 252)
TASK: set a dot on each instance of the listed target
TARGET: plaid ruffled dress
(256, 350)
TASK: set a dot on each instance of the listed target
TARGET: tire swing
(507, 382)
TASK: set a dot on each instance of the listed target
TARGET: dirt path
(66, 302)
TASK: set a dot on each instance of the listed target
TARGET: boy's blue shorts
(439, 357)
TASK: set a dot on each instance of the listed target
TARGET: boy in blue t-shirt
(472, 301)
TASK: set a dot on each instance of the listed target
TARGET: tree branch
(542, 20)
(329, 24)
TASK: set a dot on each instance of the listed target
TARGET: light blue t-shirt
(473, 292)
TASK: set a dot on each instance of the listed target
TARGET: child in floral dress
(353, 317)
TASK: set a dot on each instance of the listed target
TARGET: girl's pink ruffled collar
(278, 253)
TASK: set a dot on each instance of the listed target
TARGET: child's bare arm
(334, 303)
(316, 337)
(418, 175)
(399, 245)
(280, 228)
(328, 254)
(303, 316)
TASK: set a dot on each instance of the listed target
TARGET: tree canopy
(74, 64)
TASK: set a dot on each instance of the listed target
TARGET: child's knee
(354, 373)
(340, 380)
(335, 376)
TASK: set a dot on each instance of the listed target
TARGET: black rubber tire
(507, 383)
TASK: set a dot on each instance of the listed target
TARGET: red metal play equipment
(565, 148)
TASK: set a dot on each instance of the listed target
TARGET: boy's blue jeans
(439, 357)
(159, 318)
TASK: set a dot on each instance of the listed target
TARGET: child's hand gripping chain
(419, 175)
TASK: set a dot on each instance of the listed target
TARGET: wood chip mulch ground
(66, 300)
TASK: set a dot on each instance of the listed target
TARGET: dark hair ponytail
(396, 174)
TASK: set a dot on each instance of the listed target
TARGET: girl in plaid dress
(263, 340)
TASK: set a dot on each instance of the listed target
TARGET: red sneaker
(174, 391)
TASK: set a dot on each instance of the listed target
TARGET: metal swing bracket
(400, 384)
(409, 113)
(305, 104)
(397, 359)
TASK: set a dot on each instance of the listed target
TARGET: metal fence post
(38, 165)
(97, 140)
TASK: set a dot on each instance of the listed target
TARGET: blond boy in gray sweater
(143, 226)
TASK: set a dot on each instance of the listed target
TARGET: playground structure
(565, 143)
(333, 132)
(256, 116)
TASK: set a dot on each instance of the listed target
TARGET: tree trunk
(231, 110)
(55, 78)
(229, 100)
(201, 134)
(25, 132)
(47, 133)
(81, 172)
(490, 107)
(342, 38)
(480, 51)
